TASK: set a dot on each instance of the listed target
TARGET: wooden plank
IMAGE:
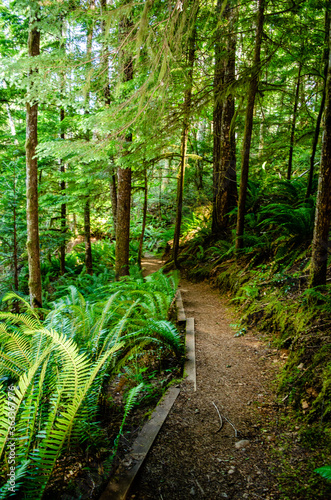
(118, 489)
(190, 364)
(181, 316)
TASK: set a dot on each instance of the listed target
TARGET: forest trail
(189, 458)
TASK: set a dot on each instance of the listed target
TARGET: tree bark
(253, 86)
(224, 169)
(32, 184)
(123, 222)
(184, 138)
(295, 112)
(318, 265)
(141, 241)
(320, 113)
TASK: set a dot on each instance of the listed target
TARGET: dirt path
(190, 459)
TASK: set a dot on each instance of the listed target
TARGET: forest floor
(191, 457)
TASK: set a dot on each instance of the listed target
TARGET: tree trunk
(185, 130)
(63, 209)
(123, 222)
(124, 184)
(87, 233)
(295, 112)
(141, 241)
(224, 171)
(32, 185)
(319, 259)
(253, 86)
(320, 113)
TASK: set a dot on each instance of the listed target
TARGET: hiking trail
(192, 456)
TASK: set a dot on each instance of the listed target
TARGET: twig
(233, 427)
(200, 487)
(220, 416)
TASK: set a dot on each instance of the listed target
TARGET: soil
(192, 456)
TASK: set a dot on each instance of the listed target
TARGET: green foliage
(324, 472)
(57, 368)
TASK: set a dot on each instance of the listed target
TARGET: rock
(241, 444)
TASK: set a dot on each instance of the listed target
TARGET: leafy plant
(57, 368)
(324, 471)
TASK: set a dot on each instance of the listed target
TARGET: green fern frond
(324, 472)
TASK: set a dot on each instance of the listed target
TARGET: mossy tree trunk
(253, 86)
(224, 155)
(32, 179)
(318, 265)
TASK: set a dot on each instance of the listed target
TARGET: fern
(59, 367)
(324, 471)
(129, 404)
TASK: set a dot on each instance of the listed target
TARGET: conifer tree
(224, 155)
(185, 131)
(32, 168)
(124, 179)
(253, 87)
(319, 259)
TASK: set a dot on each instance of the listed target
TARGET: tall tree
(63, 208)
(87, 206)
(321, 109)
(107, 98)
(32, 168)
(319, 259)
(253, 86)
(224, 154)
(184, 137)
(124, 180)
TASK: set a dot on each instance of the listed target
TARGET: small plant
(324, 471)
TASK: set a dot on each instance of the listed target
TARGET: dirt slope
(190, 459)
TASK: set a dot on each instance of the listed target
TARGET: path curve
(190, 459)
